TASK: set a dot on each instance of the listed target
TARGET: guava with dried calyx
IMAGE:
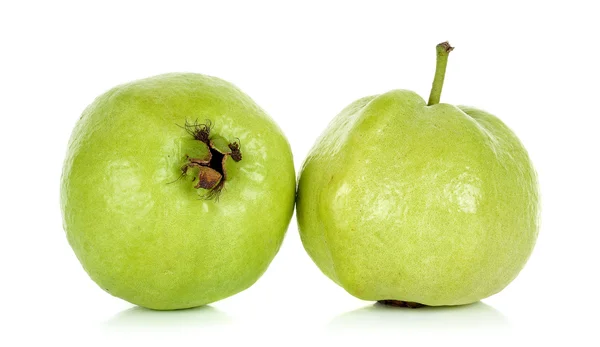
(176, 191)
(411, 203)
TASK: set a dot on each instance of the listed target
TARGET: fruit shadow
(453, 319)
(143, 319)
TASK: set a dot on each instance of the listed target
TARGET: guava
(411, 203)
(176, 190)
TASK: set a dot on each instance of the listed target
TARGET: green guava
(412, 203)
(176, 191)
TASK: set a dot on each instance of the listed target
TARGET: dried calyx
(400, 303)
(211, 167)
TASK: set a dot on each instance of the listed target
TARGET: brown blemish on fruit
(212, 173)
(399, 303)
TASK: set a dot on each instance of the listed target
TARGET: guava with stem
(176, 191)
(411, 203)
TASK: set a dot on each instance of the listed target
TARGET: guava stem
(443, 50)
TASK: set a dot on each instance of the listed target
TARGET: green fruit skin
(155, 242)
(430, 204)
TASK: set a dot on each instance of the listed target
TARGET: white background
(533, 64)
